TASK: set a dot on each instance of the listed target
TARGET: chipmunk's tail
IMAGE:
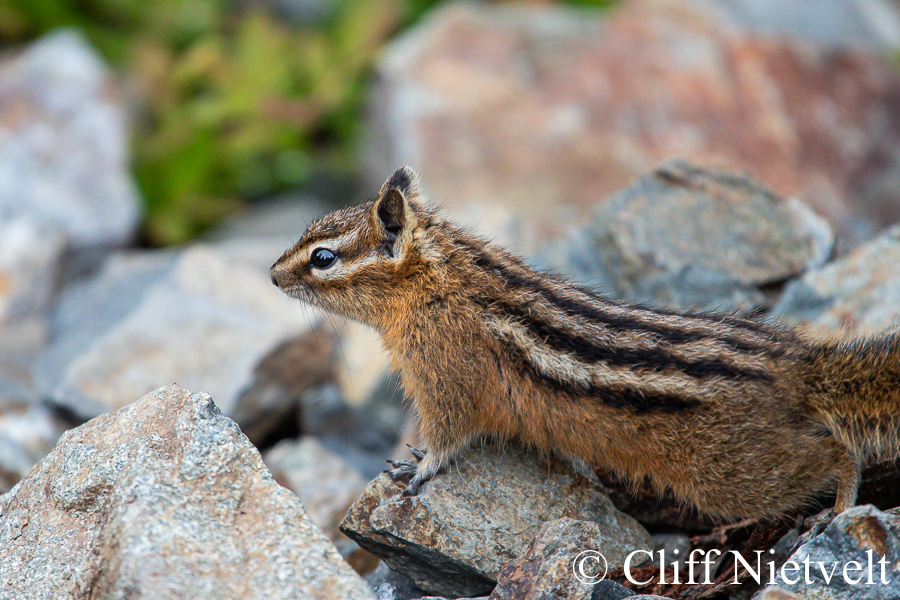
(856, 387)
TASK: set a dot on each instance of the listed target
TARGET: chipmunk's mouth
(299, 292)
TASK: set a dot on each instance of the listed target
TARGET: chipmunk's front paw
(420, 470)
(403, 469)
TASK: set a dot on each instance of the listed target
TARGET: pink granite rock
(549, 109)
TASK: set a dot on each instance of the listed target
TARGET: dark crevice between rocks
(421, 564)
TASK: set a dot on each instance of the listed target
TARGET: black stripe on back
(572, 306)
(640, 358)
(614, 397)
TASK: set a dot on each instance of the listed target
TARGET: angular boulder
(692, 237)
(66, 193)
(205, 317)
(458, 533)
(855, 558)
(860, 290)
(164, 498)
(550, 108)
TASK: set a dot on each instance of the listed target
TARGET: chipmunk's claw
(415, 485)
(819, 523)
(814, 525)
(403, 469)
(418, 454)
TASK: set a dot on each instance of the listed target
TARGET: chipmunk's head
(358, 260)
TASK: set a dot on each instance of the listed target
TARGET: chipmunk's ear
(405, 180)
(394, 209)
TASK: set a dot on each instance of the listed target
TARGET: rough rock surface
(455, 536)
(860, 290)
(204, 318)
(65, 187)
(862, 534)
(163, 499)
(390, 585)
(550, 109)
(610, 590)
(694, 237)
(775, 593)
(549, 567)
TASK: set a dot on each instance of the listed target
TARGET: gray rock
(831, 22)
(20, 344)
(283, 218)
(324, 482)
(365, 362)
(357, 433)
(28, 431)
(456, 535)
(860, 290)
(163, 499)
(554, 566)
(64, 150)
(690, 237)
(380, 418)
(295, 391)
(775, 593)
(324, 411)
(442, 598)
(205, 317)
(30, 263)
(676, 547)
(610, 590)
(390, 585)
(862, 534)
(362, 419)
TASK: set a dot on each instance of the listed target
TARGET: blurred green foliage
(234, 101)
(238, 112)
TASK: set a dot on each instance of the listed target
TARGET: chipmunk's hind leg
(848, 485)
(847, 489)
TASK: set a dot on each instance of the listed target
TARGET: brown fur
(737, 417)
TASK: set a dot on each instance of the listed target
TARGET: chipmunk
(740, 418)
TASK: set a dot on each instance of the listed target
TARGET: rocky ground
(712, 153)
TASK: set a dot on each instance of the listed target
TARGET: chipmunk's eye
(321, 258)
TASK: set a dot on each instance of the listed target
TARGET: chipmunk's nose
(274, 275)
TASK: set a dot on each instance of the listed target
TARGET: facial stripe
(344, 268)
